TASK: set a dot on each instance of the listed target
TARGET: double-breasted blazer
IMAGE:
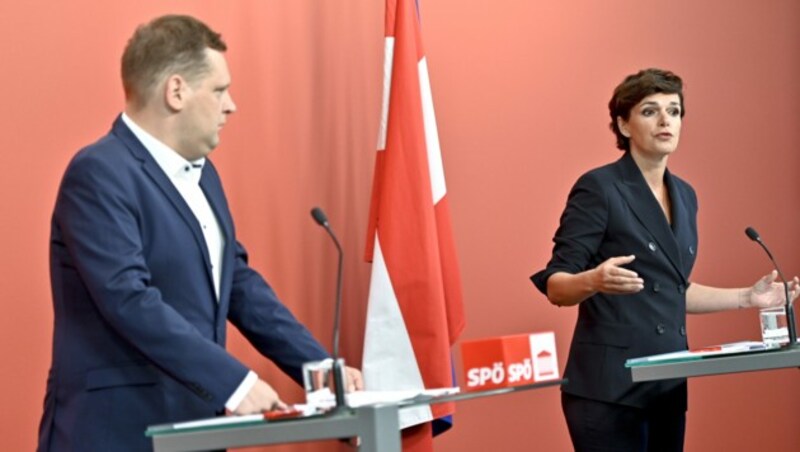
(139, 334)
(612, 212)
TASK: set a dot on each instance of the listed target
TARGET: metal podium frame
(749, 362)
(377, 426)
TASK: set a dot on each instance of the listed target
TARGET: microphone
(753, 235)
(338, 371)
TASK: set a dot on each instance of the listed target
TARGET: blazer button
(681, 288)
(691, 250)
(683, 330)
(652, 246)
(656, 287)
(660, 328)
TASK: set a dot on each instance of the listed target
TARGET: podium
(377, 426)
(716, 365)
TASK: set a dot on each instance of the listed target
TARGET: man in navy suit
(146, 268)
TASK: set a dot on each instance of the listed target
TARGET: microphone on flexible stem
(338, 372)
(753, 235)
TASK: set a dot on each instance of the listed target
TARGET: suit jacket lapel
(684, 234)
(209, 183)
(166, 186)
(645, 207)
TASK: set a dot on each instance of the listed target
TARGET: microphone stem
(339, 379)
(790, 325)
(337, 312)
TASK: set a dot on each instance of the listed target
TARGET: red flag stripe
(412, 235)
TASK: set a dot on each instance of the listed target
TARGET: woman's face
(654, 125)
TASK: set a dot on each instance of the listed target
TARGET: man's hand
(355, 382)
(260, 398)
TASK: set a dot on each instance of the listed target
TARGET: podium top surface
(232, 422)
(720, 364)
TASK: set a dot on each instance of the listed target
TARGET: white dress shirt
(185, 176)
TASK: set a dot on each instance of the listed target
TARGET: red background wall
(520, 91)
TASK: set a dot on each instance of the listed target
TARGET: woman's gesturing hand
(610, 277)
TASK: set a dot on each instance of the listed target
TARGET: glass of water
(318, 382)
(774, 328)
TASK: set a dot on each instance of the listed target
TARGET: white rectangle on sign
(543, 355)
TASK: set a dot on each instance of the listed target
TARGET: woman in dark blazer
(623, 253)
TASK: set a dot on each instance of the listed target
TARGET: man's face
(207, 106)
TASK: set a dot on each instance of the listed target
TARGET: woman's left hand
(767, 293)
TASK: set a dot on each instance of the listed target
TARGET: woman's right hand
(565, 289)
(610, 277)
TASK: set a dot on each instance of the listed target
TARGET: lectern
(714, 365)
(377, 426)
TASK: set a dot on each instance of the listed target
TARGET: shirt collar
(168, 159)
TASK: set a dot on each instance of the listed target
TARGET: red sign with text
(509, 361)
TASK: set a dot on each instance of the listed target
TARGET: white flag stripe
(388, 58)
(435, 165)
(389, 360)
(414, 415)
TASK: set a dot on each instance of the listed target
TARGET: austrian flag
(415, 312)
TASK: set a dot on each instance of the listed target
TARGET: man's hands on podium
(355, 382)
(262, 397)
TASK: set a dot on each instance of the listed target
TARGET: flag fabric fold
(415, 311)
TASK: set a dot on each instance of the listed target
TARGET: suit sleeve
(580, 232)
(272, 329)
(97, 216)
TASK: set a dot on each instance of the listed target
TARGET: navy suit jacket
(612, 212)
(139, 336)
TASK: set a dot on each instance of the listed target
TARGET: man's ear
(623, 127)
(175, 92)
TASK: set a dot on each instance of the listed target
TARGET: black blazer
(612, 212)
